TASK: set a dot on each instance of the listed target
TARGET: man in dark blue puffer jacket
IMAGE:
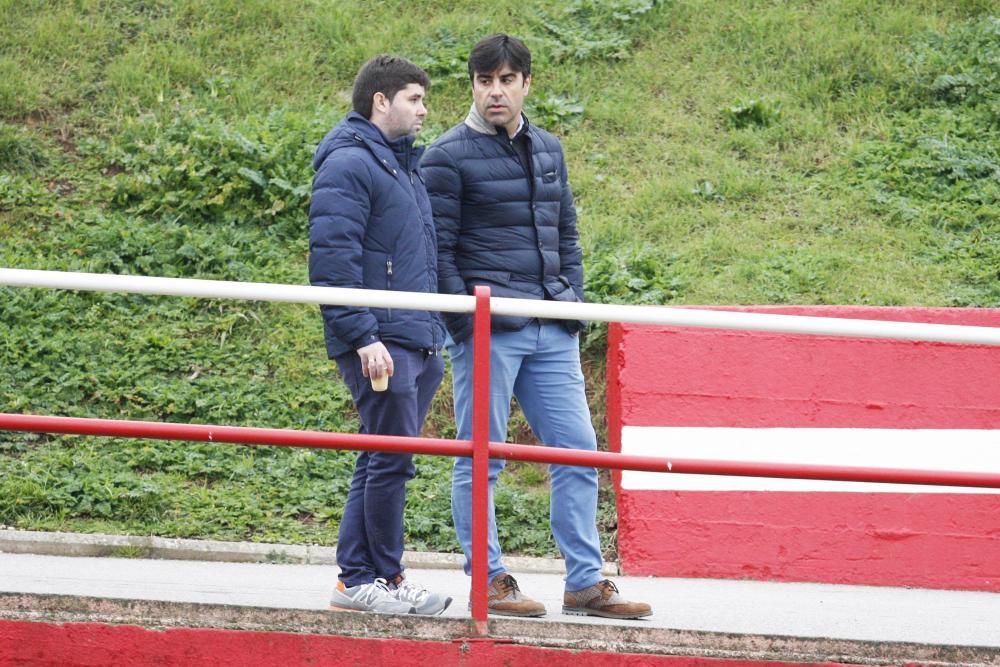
(370, 227)
(504, 214)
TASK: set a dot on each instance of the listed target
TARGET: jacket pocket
(473, 278)
(560, 289)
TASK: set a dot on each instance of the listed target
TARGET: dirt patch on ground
(61, 187)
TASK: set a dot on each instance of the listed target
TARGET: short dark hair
(387, 75)
(495, 51)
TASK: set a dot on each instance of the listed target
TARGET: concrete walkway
(720, 607)
(744, 607)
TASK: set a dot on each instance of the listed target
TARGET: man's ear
(380, 102)
(527, 83)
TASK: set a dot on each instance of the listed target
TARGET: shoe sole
(518, 614)
(578, 611)
(351, 610)
(440, 611)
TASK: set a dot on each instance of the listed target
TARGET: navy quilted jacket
(501, 223)
(370, 226)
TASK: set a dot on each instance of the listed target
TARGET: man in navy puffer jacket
(504, 214)
(370, 227)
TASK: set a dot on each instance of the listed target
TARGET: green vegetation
(733, 152)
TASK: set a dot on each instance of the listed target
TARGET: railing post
(480, 457)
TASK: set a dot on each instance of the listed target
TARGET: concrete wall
(699, 393)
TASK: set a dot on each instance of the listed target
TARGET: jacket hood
(355, 129)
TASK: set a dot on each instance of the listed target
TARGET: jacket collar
(401, 150)
(481, 125)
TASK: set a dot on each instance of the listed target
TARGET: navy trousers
(370, 542)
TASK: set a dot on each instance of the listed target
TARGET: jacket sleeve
(444, 187)
(570, 253)
(338, 219)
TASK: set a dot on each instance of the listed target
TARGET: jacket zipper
(531, 184)
(388, 282)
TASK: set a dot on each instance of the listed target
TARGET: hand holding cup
(376, 365)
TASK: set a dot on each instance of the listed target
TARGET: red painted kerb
(28, 644)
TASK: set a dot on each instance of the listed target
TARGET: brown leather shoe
(603, 599)
(506, 599)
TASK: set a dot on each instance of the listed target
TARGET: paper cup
(380, 383)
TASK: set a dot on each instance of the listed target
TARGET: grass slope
(721, 152)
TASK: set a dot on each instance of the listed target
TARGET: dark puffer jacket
(370, 226)
(500, 224)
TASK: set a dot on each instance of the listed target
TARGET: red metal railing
(480, 456)
(245, 435)
(481, 450)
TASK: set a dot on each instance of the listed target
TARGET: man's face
(405, 113)
(499, 96)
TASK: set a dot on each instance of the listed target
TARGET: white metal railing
(683, 317)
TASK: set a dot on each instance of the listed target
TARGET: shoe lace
(509, 584)
(371, 593)
(410, 592)
(608, 584)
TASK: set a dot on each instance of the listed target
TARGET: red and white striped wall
(753, 396)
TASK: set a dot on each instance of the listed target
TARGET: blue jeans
(540, 365)
(370, 541)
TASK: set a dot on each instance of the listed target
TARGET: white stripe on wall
(918, 449)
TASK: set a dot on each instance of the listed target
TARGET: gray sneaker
(374, 597)
(424, 602)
